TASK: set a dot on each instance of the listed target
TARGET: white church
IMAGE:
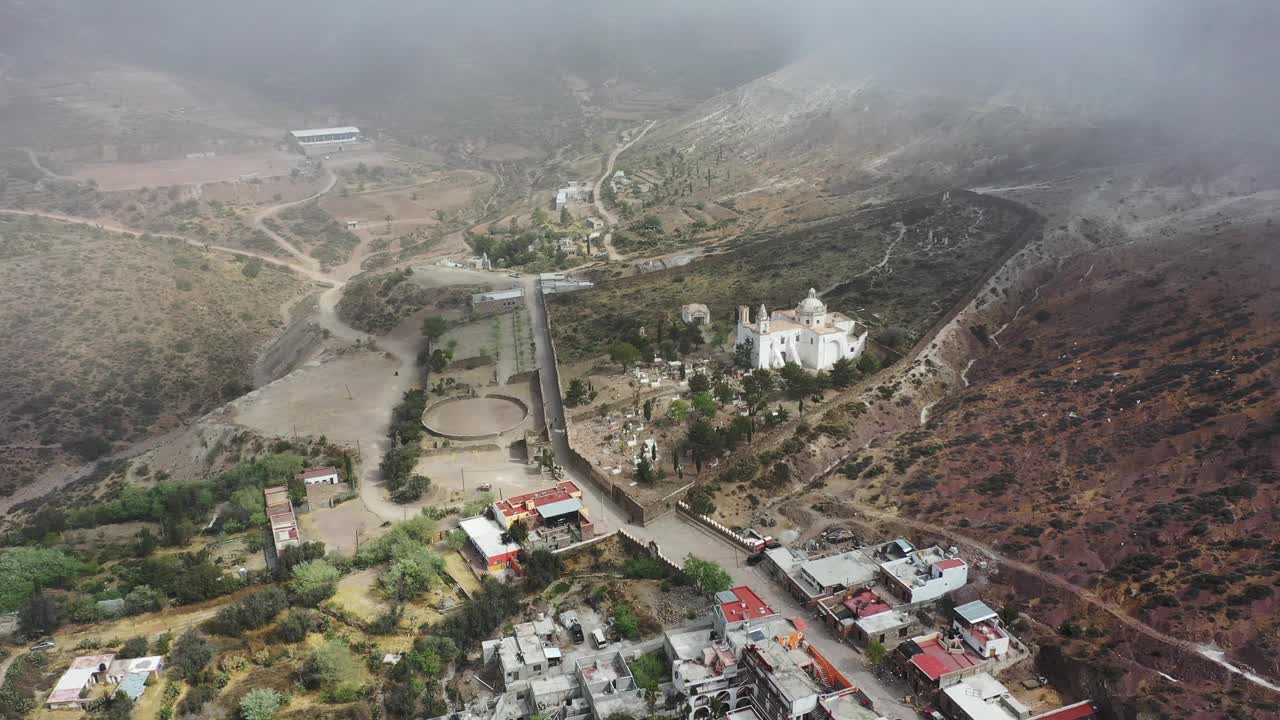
(809, 336)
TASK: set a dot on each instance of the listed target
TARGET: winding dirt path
(609, 218)
(260, 220)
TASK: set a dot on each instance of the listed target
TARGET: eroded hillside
(1122, 434)
(109, 338)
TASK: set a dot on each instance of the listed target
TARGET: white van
(597, 637)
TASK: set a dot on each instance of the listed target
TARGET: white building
(325, 136)
(695, 313)
(924, 575)
(808, 335)
(319, 476)
(980, 627)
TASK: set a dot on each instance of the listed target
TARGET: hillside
(808, 141)
(1123, 435)
(110, 339)
(899, 266)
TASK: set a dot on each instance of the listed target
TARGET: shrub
(327, 665)
(252, 612)
(134, 647)
(260, 704)
(295, 626)
(190, 654)
(313, 582)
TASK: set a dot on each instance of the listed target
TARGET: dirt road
(609, 219)
(260, 217)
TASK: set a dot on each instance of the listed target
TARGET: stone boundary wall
(638, 513)
(481, 436)
(654, 551)
(750, 546)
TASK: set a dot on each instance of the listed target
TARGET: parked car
(484, 487)
(932, 713)
(43, 645)
(755, 559)
(576, 632)
(597, 637)
(514, 275)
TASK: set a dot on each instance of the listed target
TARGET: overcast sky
(1207, 61)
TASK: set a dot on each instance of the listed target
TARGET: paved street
(677, 537)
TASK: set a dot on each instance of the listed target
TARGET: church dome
(811, 305)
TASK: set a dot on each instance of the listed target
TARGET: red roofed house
(932, 661)
(740, 605)
(318, 476)
(980, 627)
(526, 507)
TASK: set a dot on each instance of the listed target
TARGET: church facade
(809, 336)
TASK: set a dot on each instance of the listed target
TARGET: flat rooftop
(742, 603)
(935, 660)
(847, 569)
(509, 294)
(532, 501)
(314, 132)
(487, 535)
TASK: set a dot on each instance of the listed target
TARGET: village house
(982, 697)
(809, 336)
(284, 524)
(73, 691)
(319, 476)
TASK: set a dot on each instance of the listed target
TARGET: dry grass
(110, 338)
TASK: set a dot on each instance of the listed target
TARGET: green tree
(699, 501)
(843, 373)
(24, 568)
(118, 706)
(875, 653)
(798, 383)
(541, 568)
(648, 410)
(743, 354)
(134, 647)
(705, 404)
(706, 575)
(724, 391)
(456, 540)
(313, 582)
(703, 441)
(626, 622)
(327, 666)
(190, 654)
(756, 389)
(566, 219)
(625, 354)
(414, 570)
(433, 328)
(699, 382)
(260, 704)
(519, 532)
(576, 394)
(868, 364)
(645, 471)
(539, 217)
(678, 410)
(43, 612)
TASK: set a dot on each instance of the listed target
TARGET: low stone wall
(733, 537)
(524, 408)
(654, 550)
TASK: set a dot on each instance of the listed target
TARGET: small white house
(319, 476)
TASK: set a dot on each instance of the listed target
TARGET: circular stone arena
(474, 418)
